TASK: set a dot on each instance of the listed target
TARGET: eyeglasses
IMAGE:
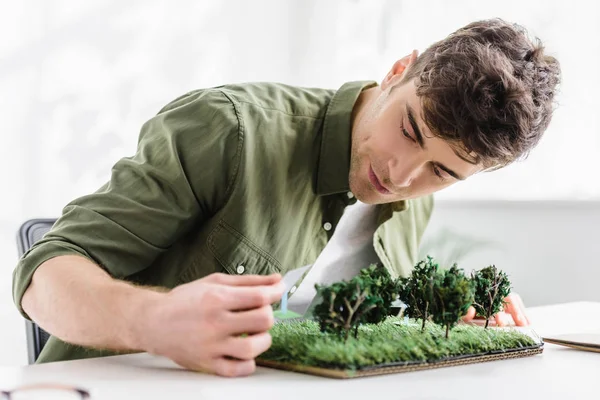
(45, 392)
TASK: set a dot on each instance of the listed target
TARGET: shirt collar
(333, 166)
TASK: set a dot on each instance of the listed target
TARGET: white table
(558, 373)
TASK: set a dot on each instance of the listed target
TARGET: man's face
(390, 160)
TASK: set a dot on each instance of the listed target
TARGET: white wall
(549, 249)
(78, 79)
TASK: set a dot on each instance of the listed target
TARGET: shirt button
(350, 195)
(293, 289)
(240, 269)
(327, 226)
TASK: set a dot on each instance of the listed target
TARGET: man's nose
(404, 171)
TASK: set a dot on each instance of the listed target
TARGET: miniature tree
(416, 290)
(491, 288)
(452, 296)
(383, 288)
(345, 305)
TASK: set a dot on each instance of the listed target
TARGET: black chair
(30, 232)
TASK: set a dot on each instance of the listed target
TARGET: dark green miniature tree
(416, 290)
(345, 305)
(491, 288)
(342, 307)
(452, 296)
(383, 288)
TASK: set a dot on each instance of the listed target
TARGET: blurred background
(78, 79)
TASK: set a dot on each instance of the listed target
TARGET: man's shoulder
(280, 97)
(266, 96)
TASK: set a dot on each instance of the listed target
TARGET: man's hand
(218, 324)
(513, 314)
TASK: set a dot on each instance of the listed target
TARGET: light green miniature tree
(491, 288)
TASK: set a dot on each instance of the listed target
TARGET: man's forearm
(78, 302)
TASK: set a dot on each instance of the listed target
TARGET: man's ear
(398, 69)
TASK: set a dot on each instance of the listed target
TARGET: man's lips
(375, 182)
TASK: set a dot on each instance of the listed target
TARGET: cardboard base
(400, 367)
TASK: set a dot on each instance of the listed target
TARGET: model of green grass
(363, 305)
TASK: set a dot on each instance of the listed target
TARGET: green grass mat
(392, 341)
(286, 315)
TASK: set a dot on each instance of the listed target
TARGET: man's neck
(364, 101)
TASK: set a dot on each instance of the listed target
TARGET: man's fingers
(243, 280)
(237, 298)
(518, 300)
(514, 306)
(513, 314)
(247, 347)
(230, 367)
(503, 319)
(257, 320)
(469, 315)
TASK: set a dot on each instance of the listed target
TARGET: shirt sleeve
(181, 174)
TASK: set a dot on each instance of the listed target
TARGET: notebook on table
(581, 341)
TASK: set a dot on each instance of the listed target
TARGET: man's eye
(405, 133)
(439, 173)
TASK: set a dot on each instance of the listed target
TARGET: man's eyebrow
(415, 126)
(421, 142)
(419, 138)
(450, 172)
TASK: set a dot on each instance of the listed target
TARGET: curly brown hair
(487, 89)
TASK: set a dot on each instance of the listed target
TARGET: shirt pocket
(237, 254)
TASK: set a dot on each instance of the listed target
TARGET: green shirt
(241, 179)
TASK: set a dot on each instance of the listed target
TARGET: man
(181, 252)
